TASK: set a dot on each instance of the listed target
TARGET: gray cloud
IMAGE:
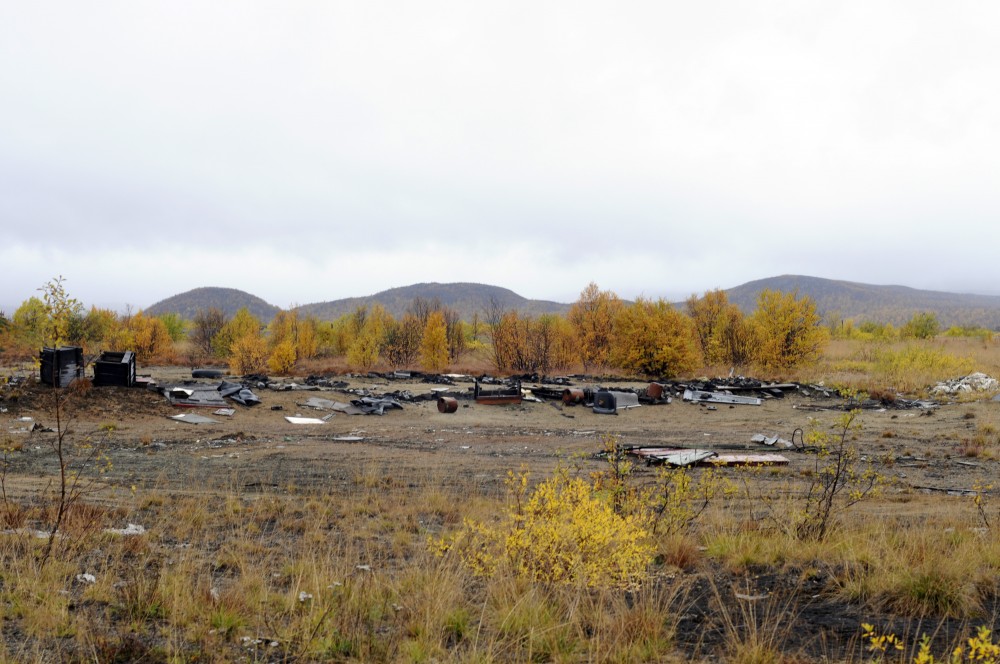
(329, 149)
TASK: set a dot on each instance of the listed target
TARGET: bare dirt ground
(256, 446)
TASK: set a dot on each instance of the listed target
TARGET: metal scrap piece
(748, 460)
(608, 403)
(702, 396)
(319, 403)
(193, 418)
(677, 457)
(375, 406)
(501, 397)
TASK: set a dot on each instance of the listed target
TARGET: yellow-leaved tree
(289, 339)
(28, 323)
(787, 330)
(248, 354)
(365, 349)
(242, 323)
(434, 344)
(241, 342)
(593, 318)
(721, 329)
(654, 339)
(147, 336)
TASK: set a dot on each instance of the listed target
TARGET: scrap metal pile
(448, 390)
(601, 395)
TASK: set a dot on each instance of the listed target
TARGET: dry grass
(311, 576)
(902, 366)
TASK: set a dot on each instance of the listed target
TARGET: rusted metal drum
(447, 404)
(654, 391)
(573, 395)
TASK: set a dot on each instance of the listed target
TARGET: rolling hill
(834, 299)
(228, 300)
(465, 298)
(888, 304)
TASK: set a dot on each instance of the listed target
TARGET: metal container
(573, 395)
(113, 368)
(447, 404)
(61, 366)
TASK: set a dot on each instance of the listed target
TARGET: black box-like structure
(115, 369)
(61, 366)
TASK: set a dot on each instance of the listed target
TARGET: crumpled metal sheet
(239, 393)
(701, 396)
(773, 441)
(375, 406)
(209, 395)
(673, 456)
(193, 395)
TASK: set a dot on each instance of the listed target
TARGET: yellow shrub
(282, 359)
(561, 533)
(248, 354)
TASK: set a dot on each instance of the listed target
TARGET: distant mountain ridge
(228, 300)
(884, 304)
(465, 298)
(834, 299)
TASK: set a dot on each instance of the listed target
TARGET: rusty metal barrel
(447, 404)
(573, 395)
(655, 391)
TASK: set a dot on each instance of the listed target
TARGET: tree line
(600, 332)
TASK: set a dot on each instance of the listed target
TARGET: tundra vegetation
(572, 565)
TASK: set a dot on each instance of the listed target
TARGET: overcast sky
(306, 151)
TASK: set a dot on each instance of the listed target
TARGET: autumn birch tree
(720, 328)
(592, 317)
(654, 339)
(434, 345)
(788, 332)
